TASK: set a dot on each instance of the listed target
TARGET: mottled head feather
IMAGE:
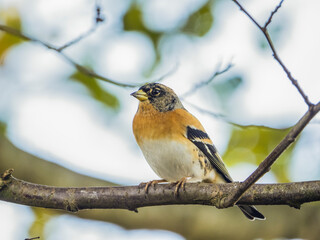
(161, 97)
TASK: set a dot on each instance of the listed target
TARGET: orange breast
(149, 123)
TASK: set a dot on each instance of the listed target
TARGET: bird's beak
(141, 95)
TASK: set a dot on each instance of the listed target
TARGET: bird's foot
(151, 183)
(180, 184)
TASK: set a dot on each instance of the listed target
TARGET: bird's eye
(155, 92)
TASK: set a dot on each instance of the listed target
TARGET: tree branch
(265, 32)
(133, 197)
(265, 165)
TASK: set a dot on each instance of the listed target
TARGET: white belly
(171, 160)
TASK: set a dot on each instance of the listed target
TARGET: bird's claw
(150, 183)
(180, 184)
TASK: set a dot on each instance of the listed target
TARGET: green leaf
(200, 22)
(3, 128)
(95, 90)
(252, 144)
(42, 217)
(11, 18)
(132, 21)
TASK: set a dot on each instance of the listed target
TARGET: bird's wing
(203, 142)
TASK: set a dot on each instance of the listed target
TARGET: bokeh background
(63, 128)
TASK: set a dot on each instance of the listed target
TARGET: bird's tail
(251, 212)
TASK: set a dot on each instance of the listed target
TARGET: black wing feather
(209, 150)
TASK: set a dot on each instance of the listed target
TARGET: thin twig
(245, 11)
(202, 110)
(33, 238)
(79, 38)
(171, 71)
(271, 15)
(206, 82)
(208, 112)
(98, 19)
(79, 67)
(274, 52)
(99, 16)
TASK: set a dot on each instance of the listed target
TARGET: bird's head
(159, 96)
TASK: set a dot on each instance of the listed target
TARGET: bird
(175, 144)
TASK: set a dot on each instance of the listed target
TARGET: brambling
(175, 144)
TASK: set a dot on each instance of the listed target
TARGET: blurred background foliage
(197, 23)
(200, 22)
(247, 144)
(10, 17)
(96, 91)
(251, 144)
